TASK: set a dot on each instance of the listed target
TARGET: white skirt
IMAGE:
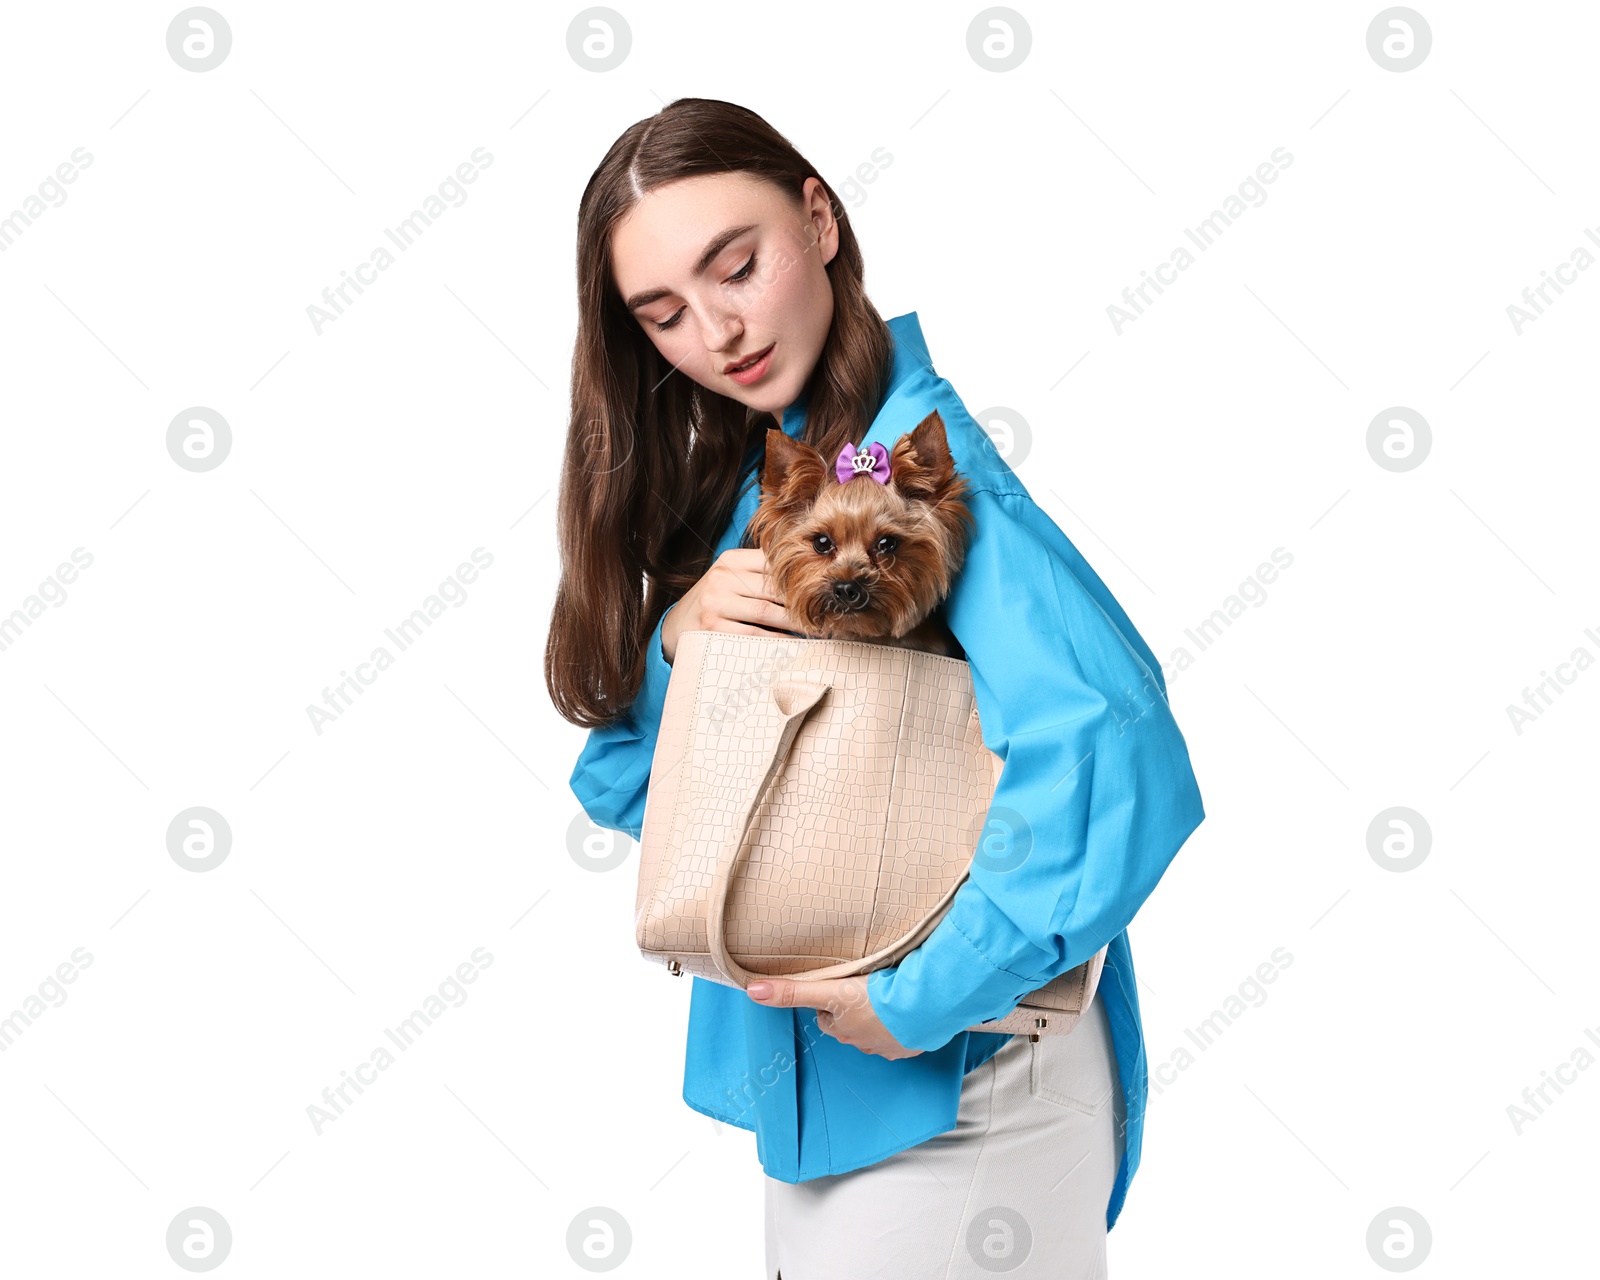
(1024, 1178)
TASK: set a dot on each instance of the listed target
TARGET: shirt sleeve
(1096, 797)
(612, 775)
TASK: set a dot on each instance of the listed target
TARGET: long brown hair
(653, 460)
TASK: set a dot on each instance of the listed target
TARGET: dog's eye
(823, 543)
(886, 545)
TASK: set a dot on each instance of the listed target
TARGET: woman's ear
(822, 224)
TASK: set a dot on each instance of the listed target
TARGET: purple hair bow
(872, 460)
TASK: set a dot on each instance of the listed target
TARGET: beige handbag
(813, 807)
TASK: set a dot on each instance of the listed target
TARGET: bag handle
(795, 700)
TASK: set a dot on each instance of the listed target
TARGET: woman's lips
(755, 372)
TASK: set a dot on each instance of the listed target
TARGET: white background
(433, 817)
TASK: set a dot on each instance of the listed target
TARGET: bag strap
(795, 700)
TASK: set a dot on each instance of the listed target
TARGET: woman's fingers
(748, 629)
(748, 566)
(746, 593)
(763, 615)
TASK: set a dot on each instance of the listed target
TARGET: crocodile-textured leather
(813, 808)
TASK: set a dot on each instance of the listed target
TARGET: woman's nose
(722, 332)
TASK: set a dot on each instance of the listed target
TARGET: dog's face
(860, 560)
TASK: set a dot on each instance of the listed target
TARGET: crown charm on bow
(872, 460)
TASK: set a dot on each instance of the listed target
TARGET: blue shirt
(1097, 782)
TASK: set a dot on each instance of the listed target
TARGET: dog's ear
(921, 466)
(792, 471)
(792, 475)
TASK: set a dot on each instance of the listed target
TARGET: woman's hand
(734, 594)
(843, 1011)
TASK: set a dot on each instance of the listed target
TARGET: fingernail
(759, 990)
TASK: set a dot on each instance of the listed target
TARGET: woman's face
(720, 267)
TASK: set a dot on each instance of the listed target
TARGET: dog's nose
(850, 593)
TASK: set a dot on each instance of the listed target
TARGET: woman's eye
(886, 545)
(738, 277)
(823, 543)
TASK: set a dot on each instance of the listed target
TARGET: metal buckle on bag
(674, 968)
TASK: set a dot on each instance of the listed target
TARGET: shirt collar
(910, 355)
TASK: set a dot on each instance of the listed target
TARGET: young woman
(720, 294)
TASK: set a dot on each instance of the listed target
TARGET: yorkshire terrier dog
(865, 548)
